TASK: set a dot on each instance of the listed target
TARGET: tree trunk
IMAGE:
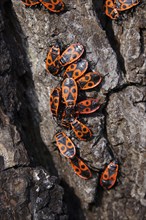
(36, 181)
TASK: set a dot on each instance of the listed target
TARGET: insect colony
(64, 106)
(63, 100)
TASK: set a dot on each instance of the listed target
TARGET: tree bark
(36, 181)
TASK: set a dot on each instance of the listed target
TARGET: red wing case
(30, 2)
(71, 54)
(109, 175)
(55, 101)
(69, 92)
(80, 168)
(111, 10)
(89, 80)
(65, 145)
(88, 106)
(53, 5)
(123, 5)
(81, 131)
(76, 70)
(52, 61)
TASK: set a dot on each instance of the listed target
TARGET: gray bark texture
(36, 182)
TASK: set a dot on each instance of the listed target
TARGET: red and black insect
(55, 101)
(123, 5)
(80, 168)
(113, 7)
(88, 106)
(69, 92)
(63, 101)
(109, 176)
(52, 61)
(71, 54)
(81, 131)
(52, 5)
(30, 2)
(65, 145)
(111, 10)
(76, 70)
(89, 80)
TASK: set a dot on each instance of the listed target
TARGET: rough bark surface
(31, 167)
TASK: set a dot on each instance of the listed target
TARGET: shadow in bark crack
(24, 113)
(106, 23)
(97, 198)
(73, 202)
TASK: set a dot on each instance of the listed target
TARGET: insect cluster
(113, 7)
(52, 5)
(64, 100)
(66, 108)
